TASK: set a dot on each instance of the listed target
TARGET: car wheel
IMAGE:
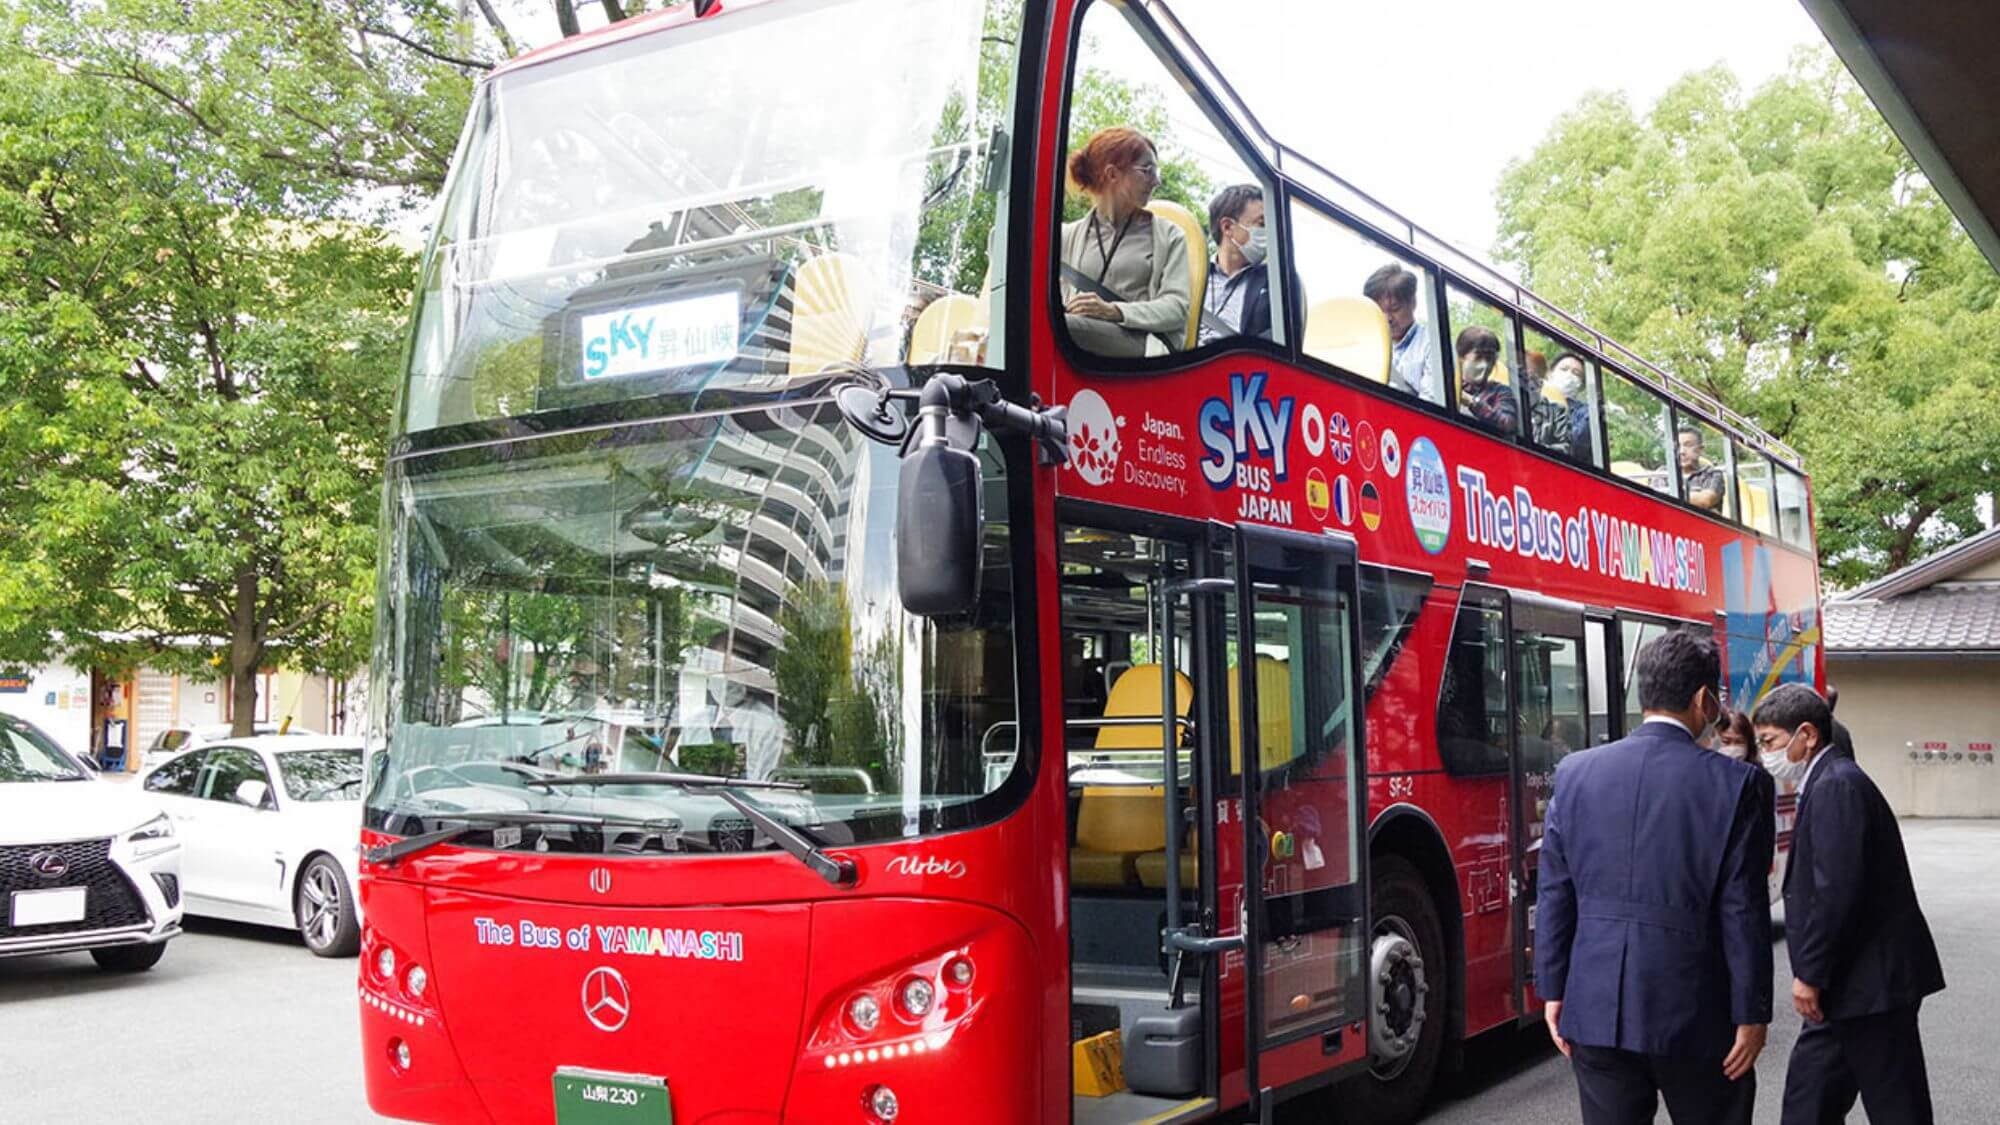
(325, 911)
(731, 835)
(1407, 991)
(129, 958)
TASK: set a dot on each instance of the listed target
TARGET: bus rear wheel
(1406, 991)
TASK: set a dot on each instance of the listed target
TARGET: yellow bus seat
(1153, 869)
(1274, 714)
(1197, 260)
(1352, 334)
(940, 325)
(1634, 471)
(1136, 694)
(1116, 824)
(1756, 505)
(833, 301)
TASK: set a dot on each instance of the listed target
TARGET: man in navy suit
(1653, 932)
(1862, 955)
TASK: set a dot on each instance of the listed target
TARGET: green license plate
(597, 1097)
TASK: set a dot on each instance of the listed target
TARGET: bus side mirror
(939, 517)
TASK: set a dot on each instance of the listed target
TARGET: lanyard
(1098, 233)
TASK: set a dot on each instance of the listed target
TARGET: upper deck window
(1791, 497)
(1368, 310)
(1753, 488)
(1166, 243)
(1559, 397)
(723, 205)
(1486, 362)
(1638, 431)
(1703, 457)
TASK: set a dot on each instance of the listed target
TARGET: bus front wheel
(1407, 991)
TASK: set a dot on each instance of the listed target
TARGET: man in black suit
(1862, 955)
(1653, 923)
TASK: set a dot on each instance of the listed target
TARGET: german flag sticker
(1319, 497)
(1371, 506)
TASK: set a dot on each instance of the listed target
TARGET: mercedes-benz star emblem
(600, 880)
(49, 865)
(606, 1000)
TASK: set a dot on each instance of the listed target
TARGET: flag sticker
(1319, 497)
(1392, 454)
(1364, 443)
(1343, 500)
(1371, 506)
(1340, 439)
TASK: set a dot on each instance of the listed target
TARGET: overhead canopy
(1933, 68)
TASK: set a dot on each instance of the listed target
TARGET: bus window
(1792, 509)
(1753, 489)
(1163, 244)
(1634, 635)
(1597, 657)
(1487, 370)
(1549, 690)
(1636, 429)
(1702, 455)
(1367, 311)
(1389, 605)
(1472, 728)
(1562, 413)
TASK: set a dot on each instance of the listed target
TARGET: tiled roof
(1945, 618)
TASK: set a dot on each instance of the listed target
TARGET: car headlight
(158, 828)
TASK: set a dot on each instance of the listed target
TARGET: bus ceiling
(1929, 68)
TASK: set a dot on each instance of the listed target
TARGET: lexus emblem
(600, 880)
(606, 1000)
(49, 865)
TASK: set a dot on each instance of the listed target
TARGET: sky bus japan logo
(1427, 492)
(698, 330)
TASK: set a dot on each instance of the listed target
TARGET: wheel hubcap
(1399, 992)
(319, 908)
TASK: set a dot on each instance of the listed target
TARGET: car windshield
(713, 594)
(321, 775)
(738, 202)
(27, 754)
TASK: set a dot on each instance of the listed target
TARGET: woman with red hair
(1125, 274)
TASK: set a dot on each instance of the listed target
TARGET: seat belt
(1098, 289)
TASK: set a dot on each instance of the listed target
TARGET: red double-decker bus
(827, 672)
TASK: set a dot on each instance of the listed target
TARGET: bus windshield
(741, 201)
(710, 594)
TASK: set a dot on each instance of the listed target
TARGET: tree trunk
(246, 655)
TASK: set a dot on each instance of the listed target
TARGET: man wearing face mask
(1488, 402)
(1653, 931)
(1238, 301)
(1862, 955)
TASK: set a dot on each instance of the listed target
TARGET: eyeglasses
(1773, 743)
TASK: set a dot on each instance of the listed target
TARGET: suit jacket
(1653, 920)
(1851, 917)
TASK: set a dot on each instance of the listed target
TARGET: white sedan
(271, 825)
(85, 865)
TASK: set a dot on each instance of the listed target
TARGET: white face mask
(1476, 370)
(1782, 768)
(1567, 381)
(1256, 247)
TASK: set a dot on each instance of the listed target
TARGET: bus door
(1550, 675)
(1296, 740)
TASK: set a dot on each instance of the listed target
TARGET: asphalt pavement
(240, 1023)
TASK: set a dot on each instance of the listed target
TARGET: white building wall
(57, 701)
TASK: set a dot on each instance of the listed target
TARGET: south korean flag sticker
(1392, 454)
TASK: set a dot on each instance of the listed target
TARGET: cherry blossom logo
(1093, 438)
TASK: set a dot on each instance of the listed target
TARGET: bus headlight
(882, 1103)
(865, 1013)
(917, 996)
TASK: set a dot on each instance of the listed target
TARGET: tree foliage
(1781, 250)
(196, 382)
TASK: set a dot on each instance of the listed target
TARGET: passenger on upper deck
(1566, 376)
(1490, 403)
(1394, 289)
(1699, 476)
(1238, 301)
(1125, 276)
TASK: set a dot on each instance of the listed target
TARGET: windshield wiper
(473, 821)
(840, 872)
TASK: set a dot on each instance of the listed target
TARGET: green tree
(1782, 251)
(195, 389)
